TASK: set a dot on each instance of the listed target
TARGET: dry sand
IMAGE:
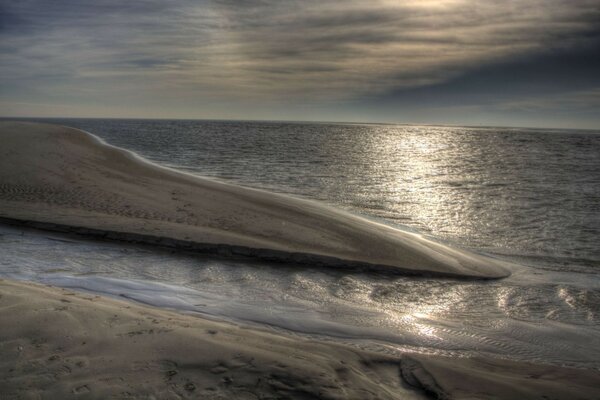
(66, 179)
(59, 344)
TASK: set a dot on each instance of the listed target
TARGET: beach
(63, 178)
(303, 200)
(57, 343)
(62, 343)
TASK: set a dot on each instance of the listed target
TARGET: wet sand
(56, 343)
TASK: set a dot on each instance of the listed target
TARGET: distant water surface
(531, 196)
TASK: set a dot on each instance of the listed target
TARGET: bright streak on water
(551, 317)
(523, 193)
(527, 195)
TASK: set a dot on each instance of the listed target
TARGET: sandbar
(60, 178)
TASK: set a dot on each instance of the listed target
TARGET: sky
(461, 62)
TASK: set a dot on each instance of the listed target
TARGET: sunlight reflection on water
(528, 195)
(550, 318)
(517, 192)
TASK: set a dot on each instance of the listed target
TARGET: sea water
(528, 196)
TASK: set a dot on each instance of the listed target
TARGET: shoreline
(60, 343)
(225, 250)
(63, 343)
(68, 179)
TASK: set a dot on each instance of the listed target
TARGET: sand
(60, 344)
(486, 378)
(54, 177)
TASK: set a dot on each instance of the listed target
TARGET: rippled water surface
(533, 193)
(530, 196)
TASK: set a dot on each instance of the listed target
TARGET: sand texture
(485, 378)
(60, 344)
(66, 179)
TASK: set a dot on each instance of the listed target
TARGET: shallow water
(529, 196)
(549, 317)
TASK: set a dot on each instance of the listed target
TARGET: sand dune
(58, 344)
(66, 179)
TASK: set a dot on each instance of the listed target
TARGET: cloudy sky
(490, 62)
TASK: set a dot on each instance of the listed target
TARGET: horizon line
(482, 126)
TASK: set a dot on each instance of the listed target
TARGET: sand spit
(59, 344)
(62, 177)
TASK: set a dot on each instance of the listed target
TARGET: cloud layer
(271, 51)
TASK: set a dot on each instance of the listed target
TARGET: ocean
(529, 196)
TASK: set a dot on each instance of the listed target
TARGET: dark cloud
(379, 46)
(225, 51)
(551, 72)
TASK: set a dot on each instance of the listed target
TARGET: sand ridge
(66, 177)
